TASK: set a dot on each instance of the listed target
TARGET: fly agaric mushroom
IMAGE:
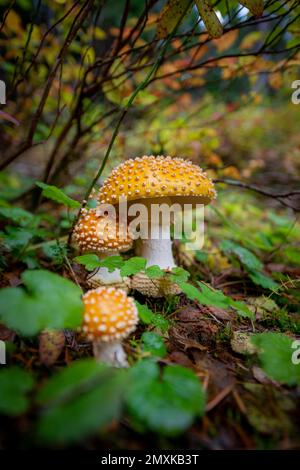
(100, 235)
(109, 317)
(157, 180)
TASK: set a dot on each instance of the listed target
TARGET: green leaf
(90, 262)
(16, 238)
(256, 7)
(133, 266)
(264, 281)
(215, 298)
(145, 313)
(252, 264)
(209, 17)
(170, 16)
(276, 353)
(154, 272)
(79, 401)
(179, 275)
(293, 254)
(57, 195)
(154, 344)
(166, 403)
(17, 215)
(201, 256)
(112, 263)
(15, 384)
(150, 318)
(47, 300)
(246, 257)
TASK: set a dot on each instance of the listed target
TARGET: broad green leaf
(170, 16)
(79, 401)
(251, 263)
(263, 280)
(246, 257)
(166, 403)
(15, 384)
(210, 18)
(214, 298)
(90, 261)
(154, 344)
(212, 295)
(154, 272)
(46, 300)
(17, 215)
(112, 263)
(256, 7)
(179, 275)
(16, 238)
(150, 318)
(133, 266)
(57, 195)
(278, 357)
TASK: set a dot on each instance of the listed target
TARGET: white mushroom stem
(158, 250)
(112, 353)
(103, 276)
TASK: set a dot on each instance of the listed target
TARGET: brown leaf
(51, 344)
(6, 334)
(256, 7)
(179, 357)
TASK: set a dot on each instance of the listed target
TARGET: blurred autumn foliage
(71, 67)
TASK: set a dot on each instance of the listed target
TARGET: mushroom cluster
(109, 314)
(109, 317)
(103, 236)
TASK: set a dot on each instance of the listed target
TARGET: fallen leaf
(51, 345)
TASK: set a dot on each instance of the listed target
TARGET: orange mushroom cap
(99, 233)
(152, 177)
(109, 315)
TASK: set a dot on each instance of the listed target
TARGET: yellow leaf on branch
(210, 18)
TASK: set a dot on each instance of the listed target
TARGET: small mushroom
(101, 235)
(109, 317)
(157, 180)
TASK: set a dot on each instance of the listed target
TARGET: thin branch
(283, 196)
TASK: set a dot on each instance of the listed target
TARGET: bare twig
(284, 197)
